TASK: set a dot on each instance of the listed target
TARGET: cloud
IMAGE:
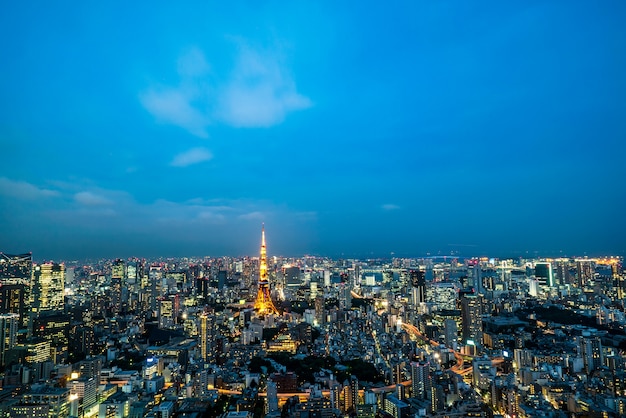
(259, 91)
(23, 190)
(390, 206)
(174, 106)
(192, 156)
(91, 199)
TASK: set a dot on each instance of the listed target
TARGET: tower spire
(263, 303)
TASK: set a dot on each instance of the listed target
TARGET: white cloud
(390, 206)
(192, 156)
(91, 199)
(172, 105)
(23, 190)
(258, 92)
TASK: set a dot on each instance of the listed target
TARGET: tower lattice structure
(263, 304)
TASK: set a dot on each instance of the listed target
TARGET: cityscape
(269, 336)
(313, 209)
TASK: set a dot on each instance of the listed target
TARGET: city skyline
(492, 129)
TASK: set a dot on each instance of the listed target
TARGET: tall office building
(48, 288)
(584, 272)
(477, 278)
(8, 334)
(15, 285)
(451, 333)
(543, 273)
(117, 284)
(13, 300)
(207, 335)
(619, 280)
(418, 280)
(562, 273)
(472, 321)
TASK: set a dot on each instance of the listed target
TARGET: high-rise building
(591, 350)
(15, 285)
(562, 273)
(471, 317)
(477, 278)
(451, 333)
(584, 272)
(418, 280)
(8, 333)
(12, 300)
(117, 283)
(543, 273)
(48, 289)
(263, 304)
(207, 335)
(420, 380)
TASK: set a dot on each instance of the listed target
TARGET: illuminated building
(38, 350)
(483, 372)
(263, 304)
(472, 321)
(54, 328)
(420, 380)
(12, 299)
(591, 351)
(282, 343)
(206, 335)
(85, 390)
(57, 399)
(15, 285)
(166, 313)
(584, 272)
(29, 410)
(562, 272)
(8, 333)
(117, 278)
(443, 295)
(350, 394)
(48, 288)
(396, 408)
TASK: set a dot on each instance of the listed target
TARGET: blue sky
(153, 129)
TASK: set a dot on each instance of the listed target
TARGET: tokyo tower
(263, 304)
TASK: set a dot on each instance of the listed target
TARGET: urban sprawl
(269, 336)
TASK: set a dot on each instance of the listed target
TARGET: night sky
(351, 129)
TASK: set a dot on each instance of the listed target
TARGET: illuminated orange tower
(263, 304)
